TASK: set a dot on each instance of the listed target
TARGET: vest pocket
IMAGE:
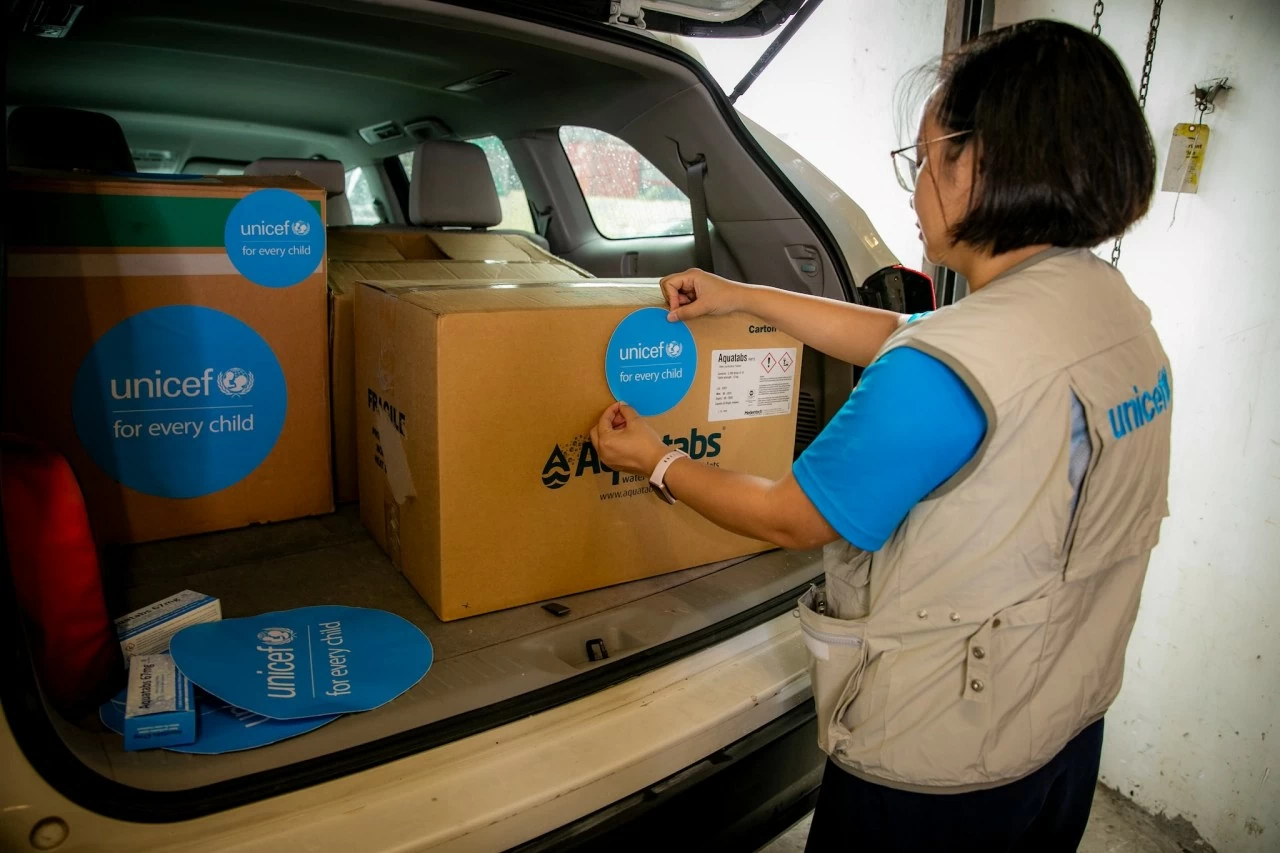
(848, 573)
(837, 658)
(1002, 671)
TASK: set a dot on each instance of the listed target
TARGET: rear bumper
(736, 799)
(491, 791)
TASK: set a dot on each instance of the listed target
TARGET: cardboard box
(411, 243)
(148, 630)
(421, 257)
(168, 337)
(476, 475)
(160, 708)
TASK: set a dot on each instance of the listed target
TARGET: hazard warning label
(751, 383)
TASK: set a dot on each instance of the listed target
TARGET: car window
(361, 199)
(515, 204)
(626, 194)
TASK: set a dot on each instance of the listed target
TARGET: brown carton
(476, 475)
(168, 337)
(422, 257)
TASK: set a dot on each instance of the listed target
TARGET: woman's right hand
(694, 293)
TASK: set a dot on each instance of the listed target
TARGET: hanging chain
(1144, 83)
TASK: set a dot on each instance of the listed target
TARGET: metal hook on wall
(1205, 93)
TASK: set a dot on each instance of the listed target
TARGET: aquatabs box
(148, 630)
(169, 337)
(480, 516)
(160, 707)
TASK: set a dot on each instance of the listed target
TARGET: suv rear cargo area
(192, 74)
(506, 664)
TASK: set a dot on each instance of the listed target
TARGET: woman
(990, 493)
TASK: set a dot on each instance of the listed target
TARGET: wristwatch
(657, 478)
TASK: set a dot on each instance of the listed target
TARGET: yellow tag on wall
(1186, 158)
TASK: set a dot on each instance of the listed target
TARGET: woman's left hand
(626, 442)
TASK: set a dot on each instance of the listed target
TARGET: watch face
(662, 493)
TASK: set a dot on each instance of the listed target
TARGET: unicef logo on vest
(276, 636)
(650, 362)
(235, 382)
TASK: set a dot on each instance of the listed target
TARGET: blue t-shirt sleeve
(909, 425)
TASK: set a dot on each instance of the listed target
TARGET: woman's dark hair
(1064, 155)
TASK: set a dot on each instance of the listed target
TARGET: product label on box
(222, 727)
(153, 686)
(308, 662)
(179, 401)
(751, 383)
(651, 362)
(274, 238)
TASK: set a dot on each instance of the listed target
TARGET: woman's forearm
(773, 511)
(852, 333)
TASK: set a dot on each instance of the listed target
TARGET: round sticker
(221, 727)
(309, 662)
(651, 361)
(179, 401)
(274, 238)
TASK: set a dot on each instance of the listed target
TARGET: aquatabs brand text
(559, 468)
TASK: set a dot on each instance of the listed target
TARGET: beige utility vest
(991, 628)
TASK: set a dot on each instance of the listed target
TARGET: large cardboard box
(476, 474)
(168, 337)
(421, 257)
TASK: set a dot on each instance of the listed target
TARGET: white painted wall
(1195, 731)
(830, 95)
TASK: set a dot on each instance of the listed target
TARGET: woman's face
(942, 193)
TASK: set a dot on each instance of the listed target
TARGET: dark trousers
(1044, 813)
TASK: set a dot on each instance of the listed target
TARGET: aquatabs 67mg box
(169, 338)
(160, 707)
(148, 630)
(476, 473)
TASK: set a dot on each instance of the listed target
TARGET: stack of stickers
(266, 678)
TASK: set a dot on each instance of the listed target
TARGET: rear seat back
(452, 187)
(328, 174)
(63, 138)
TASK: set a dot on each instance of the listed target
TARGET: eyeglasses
(907, 168)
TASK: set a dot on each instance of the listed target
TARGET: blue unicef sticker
(274, 238)
(309, 662)
(220, 727)
(179, 401)
(651, 361)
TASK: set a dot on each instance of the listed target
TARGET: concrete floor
(1116, 825)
